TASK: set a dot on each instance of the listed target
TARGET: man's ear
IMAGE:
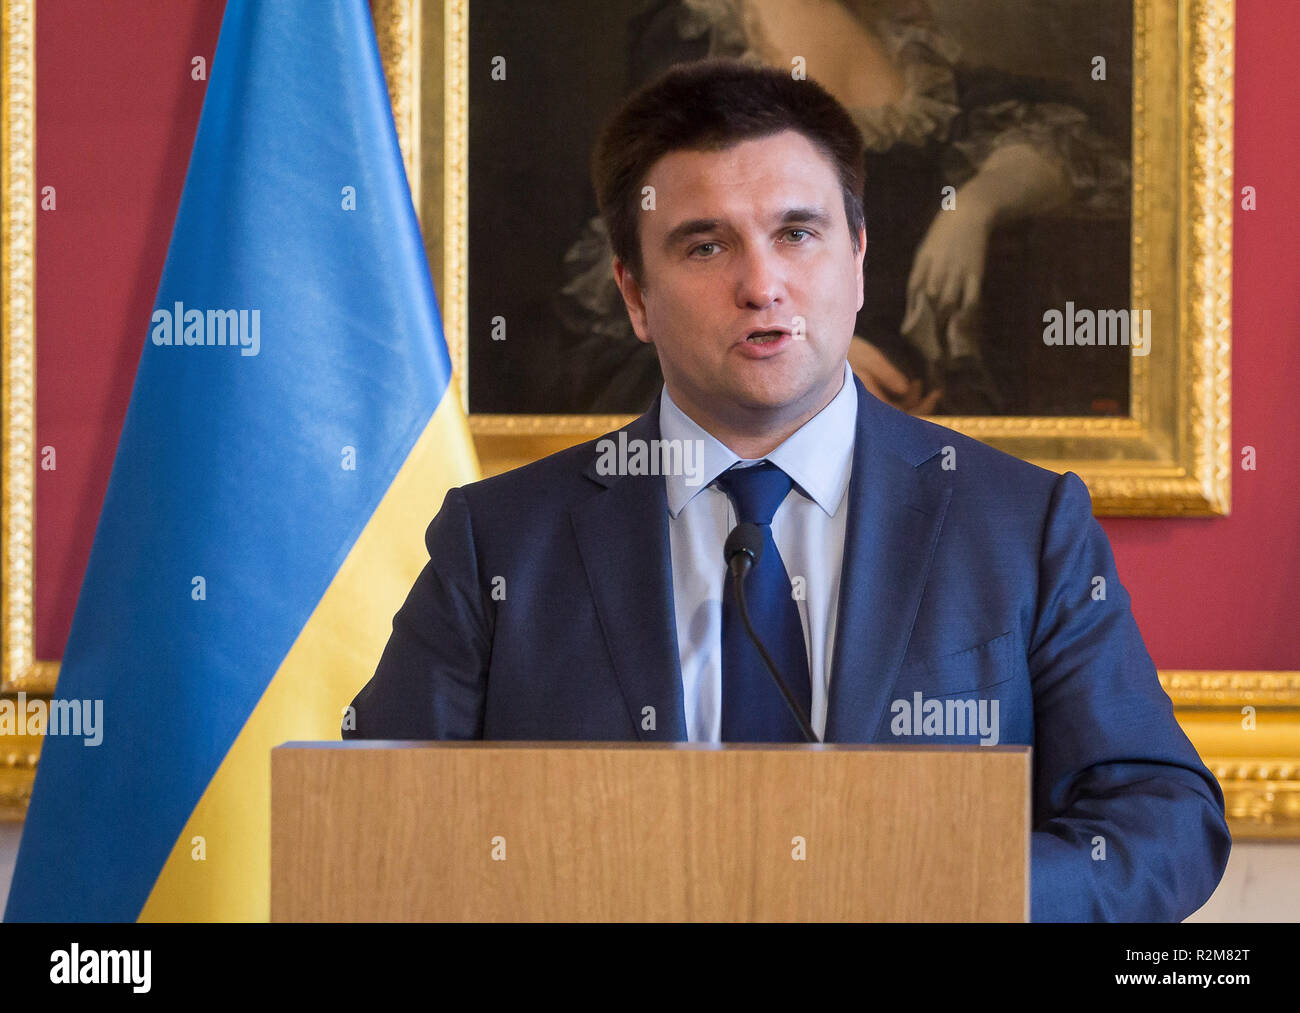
(632, 299)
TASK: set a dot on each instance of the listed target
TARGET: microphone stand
(739, 565)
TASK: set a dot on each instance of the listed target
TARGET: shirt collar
(817, 456)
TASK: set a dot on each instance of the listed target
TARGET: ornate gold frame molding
(19, 668)
(1246, 727)
(1258, 767)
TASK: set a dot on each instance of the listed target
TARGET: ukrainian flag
(292, 428)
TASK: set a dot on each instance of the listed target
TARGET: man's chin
(771, 396)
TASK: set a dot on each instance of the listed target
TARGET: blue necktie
(753, 709)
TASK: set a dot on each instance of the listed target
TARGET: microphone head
(745, 540)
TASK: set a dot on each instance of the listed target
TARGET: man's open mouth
(764, 337)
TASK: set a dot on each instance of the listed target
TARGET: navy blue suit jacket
(546, 613)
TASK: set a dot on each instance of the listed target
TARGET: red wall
(116, 114)
(1221, 593)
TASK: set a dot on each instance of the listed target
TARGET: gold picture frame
(1244, 724)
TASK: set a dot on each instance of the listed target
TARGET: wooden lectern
(515, 831)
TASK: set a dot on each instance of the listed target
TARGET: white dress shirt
(808, 529)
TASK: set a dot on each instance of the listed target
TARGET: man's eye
(802, 232)
(697, 249)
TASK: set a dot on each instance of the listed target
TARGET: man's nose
(759, 281)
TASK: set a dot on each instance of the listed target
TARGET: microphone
(742, 552)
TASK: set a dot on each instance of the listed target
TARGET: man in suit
(902, 567)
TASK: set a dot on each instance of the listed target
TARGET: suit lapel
(622, 535)
(895, 515)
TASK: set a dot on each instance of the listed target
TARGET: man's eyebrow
(816, 215)
(691, 227)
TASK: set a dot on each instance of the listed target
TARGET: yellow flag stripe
(219, 868)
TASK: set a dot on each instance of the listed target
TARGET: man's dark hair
(711, 105)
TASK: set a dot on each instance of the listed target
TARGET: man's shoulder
(965, 462)
(557, 480)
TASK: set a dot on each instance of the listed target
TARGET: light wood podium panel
(512, 831)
